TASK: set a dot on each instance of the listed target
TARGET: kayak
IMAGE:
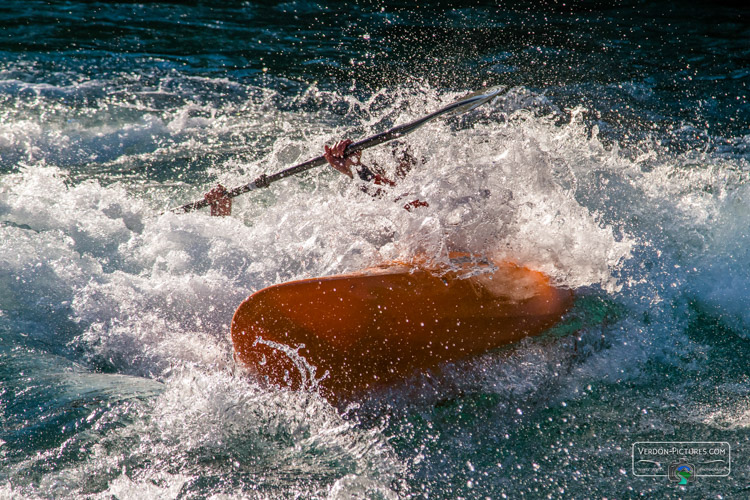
(348, 334)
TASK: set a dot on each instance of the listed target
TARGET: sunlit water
(616, 161)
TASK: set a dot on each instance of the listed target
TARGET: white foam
(159, 291)
(154, 294)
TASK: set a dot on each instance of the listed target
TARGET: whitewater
(117, 376)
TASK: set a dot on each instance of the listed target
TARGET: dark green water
(616, 161)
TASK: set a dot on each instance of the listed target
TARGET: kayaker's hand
(341, 162)
(221, 204)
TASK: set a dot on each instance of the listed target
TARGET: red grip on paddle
(415, 204)
(221, 204)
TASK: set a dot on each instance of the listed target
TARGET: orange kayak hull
(380, 325)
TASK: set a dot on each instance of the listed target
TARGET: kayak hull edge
(375, 327)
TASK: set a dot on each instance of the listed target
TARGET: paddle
(461, 106)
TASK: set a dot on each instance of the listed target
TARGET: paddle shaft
(388, 135)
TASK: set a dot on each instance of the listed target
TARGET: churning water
(616, 161)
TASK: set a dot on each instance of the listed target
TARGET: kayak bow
(379, 325)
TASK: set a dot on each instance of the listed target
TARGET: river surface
(616, 160)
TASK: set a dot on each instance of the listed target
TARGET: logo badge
(681, 472)
(682, 461)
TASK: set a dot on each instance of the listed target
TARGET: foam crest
(507, 190)
(718, 254)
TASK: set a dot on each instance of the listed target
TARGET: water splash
(308, 381)
(95, 272)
